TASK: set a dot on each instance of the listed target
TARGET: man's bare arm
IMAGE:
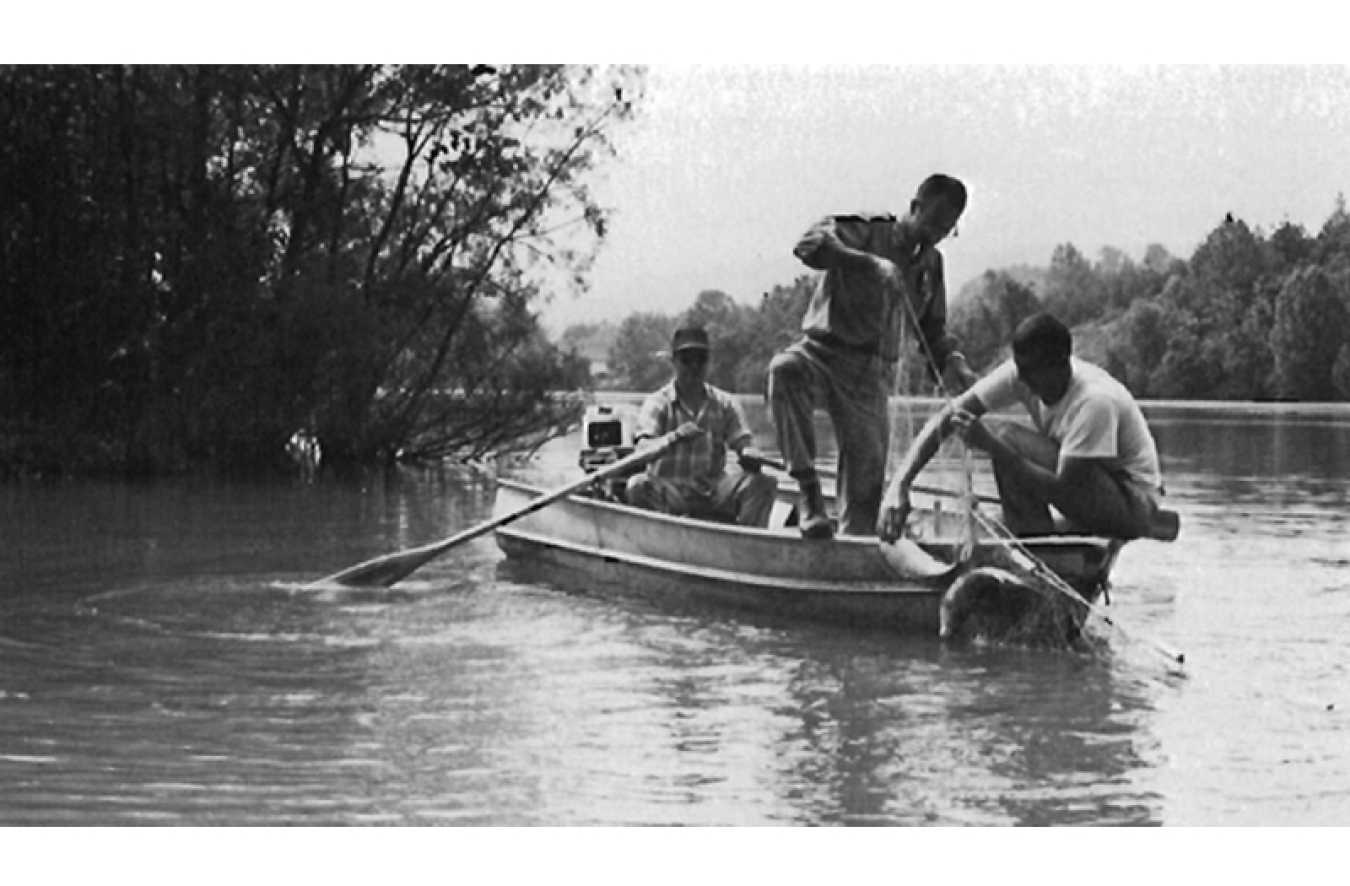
(895, 505)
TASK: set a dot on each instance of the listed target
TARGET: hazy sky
(727, 166)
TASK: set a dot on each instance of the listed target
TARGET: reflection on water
(162, 662)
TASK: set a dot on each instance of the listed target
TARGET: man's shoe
(814, 522)
(818, 527)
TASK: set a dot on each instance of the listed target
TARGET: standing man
(1091, 454)
(880, 274)
(692, 479)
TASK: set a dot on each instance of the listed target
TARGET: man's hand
(971, 429)
(958, 375)
(893, 516)
(750, 459)
(887, 271)
(686, 432)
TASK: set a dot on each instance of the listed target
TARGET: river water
(161, 662)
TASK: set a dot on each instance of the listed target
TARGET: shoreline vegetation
(233, 269)
(200, 262)
(18, 455)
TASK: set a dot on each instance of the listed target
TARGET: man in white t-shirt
(1091, 455)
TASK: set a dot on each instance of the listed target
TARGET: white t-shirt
(1096, 418)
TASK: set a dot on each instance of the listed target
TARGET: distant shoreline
(1237, 407)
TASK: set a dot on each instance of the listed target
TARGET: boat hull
(604, 546)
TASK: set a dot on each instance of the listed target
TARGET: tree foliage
(1311, 319)
(744, 339)
(195, 261)
(985, 318)
(1236, 316)
(1072, 290)
(639, 357)
(1247, 317)
(1139, 345)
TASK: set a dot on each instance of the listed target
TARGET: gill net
(953, 467)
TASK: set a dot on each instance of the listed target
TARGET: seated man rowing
(692, 479)
(1091, 455)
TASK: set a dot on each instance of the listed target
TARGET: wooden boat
(602, 543)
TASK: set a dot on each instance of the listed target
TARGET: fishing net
(1004, 594)
(1002, 599)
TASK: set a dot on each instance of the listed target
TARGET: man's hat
(689, 338)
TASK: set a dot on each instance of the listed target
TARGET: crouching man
(1091, 454)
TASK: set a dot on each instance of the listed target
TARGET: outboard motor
(607, 436)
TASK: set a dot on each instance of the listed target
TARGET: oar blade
(382, 572)
(390, 569)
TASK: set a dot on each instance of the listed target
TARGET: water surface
(162, 662)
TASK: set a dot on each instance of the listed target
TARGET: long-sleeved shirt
(854, 309)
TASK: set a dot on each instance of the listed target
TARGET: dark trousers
(1103, 503)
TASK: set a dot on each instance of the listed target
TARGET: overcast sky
(727, 166)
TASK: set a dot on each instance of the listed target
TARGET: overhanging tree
(197, 260)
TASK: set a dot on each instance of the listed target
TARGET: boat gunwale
(1031, 544)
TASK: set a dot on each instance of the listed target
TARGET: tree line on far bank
(1249, 316)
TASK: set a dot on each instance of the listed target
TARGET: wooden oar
(390, 569)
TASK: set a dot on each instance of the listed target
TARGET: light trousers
(744, 497)
(854, 389)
